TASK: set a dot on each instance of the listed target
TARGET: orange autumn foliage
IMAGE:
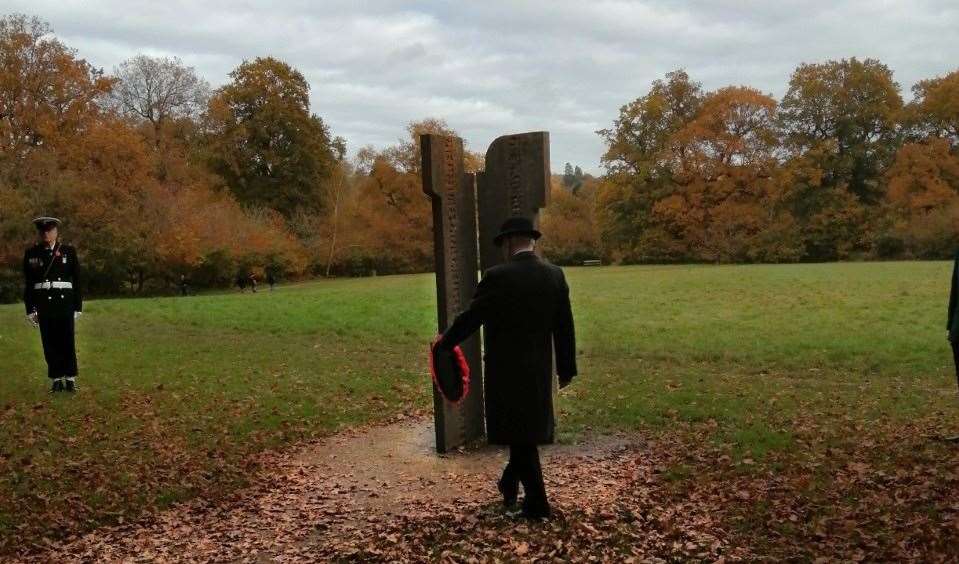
(65, 152)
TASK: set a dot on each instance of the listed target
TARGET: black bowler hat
(45, 223)
(516, 226)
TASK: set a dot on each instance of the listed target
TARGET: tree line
(840, 168)
(159, 176)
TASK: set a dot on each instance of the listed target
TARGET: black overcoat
(523, 306)
(952, 321)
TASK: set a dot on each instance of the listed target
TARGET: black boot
(510, 492)
(57, 386)
(70, 386)
(536, 511)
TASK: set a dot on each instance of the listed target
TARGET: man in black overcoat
(952, 324)
(952, 320)
(524, 306)
(53, 300)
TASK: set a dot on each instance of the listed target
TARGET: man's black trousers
(524, 467)
(59, 350)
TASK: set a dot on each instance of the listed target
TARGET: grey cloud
(503, 66)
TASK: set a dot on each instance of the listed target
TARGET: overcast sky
(491, 67)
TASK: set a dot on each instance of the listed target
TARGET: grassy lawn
(178, 393)
(748, 348)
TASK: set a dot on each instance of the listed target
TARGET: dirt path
(382, 493)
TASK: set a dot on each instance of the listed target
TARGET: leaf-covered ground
(808, 395)
(893, 496)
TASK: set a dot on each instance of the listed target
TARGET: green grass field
(178, 393)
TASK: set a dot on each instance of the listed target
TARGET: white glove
(32, 319)
(76, 315)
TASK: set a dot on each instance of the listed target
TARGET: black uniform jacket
(523, 306)
(49, 268)
(952, 321)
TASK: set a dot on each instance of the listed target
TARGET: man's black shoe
(57, 386)
(509, 493)
(531, 515)
(535, 513)
(70, 386)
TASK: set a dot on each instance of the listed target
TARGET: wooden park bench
(592, 262)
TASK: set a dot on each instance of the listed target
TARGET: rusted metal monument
(468, 210)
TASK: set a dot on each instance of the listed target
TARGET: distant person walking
(271, 279)
(184, 285)
(524, 306)
(241, 282)
(52, 297)
(253, 282)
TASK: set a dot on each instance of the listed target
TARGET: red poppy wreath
(450, 372)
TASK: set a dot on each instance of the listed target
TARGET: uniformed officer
(51, 294)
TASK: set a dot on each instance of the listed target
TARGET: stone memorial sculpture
(467, 211)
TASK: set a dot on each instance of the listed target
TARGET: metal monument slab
(515, 183)
(453, 196)
(467, 213)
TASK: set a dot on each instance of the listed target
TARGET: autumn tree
(922, 201)
(578, 177)
(60, 153)
(65, 152)
(638, 171)
(154, 182)
(338, 186)
(393, 215)
(841, 130)
(323, 234)
(571, 231)
(48, 103)
(158, 91)
(692, 176)
(934, 111)
(924, 176)
(725, 202)
(845, 113)
(573, 177)
(923, 181)
(405, 155)
(568, 176)
(48, 96)
(389, 216)
(264, 142)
